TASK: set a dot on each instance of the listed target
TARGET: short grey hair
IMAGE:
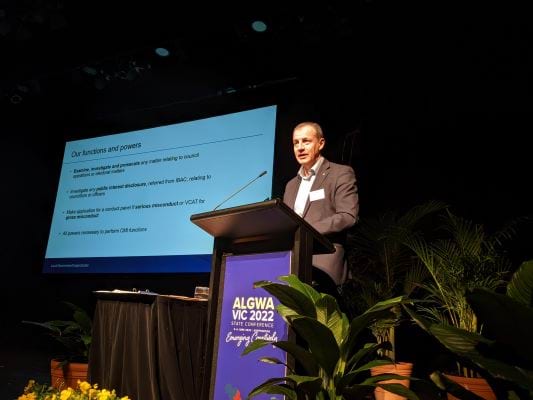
(314, 125)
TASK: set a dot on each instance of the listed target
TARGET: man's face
(307, 146)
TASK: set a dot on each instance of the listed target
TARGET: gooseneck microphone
(244, 187)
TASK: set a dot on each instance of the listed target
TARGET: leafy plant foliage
(383, 267)
(74, 335)
(505, 349)
(333, 364)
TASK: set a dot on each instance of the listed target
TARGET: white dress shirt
(305, 186)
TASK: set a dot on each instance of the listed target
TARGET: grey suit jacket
(331, 214)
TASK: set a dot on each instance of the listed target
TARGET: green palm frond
(414, 277)
(413, 217)
(382, 266)
(509, 230)
(377, 252)
(464, 259)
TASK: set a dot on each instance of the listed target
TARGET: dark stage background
(425, 103)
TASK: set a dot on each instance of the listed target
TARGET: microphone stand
(244, 187)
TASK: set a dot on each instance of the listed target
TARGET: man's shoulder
(336, 166)
(293, 181)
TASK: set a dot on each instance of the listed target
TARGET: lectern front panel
(247, 314)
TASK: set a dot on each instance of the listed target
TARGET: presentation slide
(124, 201)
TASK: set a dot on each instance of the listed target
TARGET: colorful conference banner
(248, 314)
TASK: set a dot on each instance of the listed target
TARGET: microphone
(245, 186)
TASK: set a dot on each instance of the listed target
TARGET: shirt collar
(313, 170)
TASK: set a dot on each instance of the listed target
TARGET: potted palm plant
(333, 364)
(504, 350)
(382, 267)
(464, 259)
(74, 336)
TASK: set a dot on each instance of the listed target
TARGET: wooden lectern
(250, 236)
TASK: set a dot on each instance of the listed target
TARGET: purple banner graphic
(248, 314)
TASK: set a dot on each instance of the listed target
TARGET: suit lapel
(319, 180)
(293, 191)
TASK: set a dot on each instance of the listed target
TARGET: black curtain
(149, 347)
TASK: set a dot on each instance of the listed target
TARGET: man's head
(308, 140)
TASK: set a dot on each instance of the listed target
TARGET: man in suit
(325, 195)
